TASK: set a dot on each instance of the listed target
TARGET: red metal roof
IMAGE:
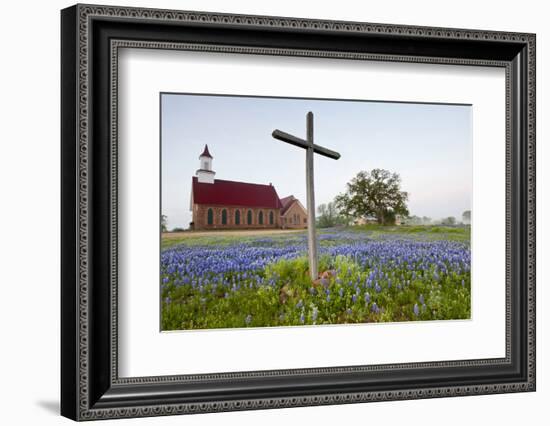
(231, 193)
(205, 153)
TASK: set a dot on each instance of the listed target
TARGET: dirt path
(243, 233)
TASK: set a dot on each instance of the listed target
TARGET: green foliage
(295, 301)
(329, 216)
(416, 220)
(376, 193)
(449, 221)
(420, 232)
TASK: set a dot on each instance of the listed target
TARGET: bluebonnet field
(369, 274)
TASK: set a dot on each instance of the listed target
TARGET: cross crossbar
(293, 140)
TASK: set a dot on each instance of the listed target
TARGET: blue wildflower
(314, 313)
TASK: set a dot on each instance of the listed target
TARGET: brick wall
(294, 217)
(200, 217)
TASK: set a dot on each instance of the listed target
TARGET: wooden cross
(310, 148)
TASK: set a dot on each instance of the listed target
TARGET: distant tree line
(447, 221)
(164, 225)
(376, 195)
(330, 216)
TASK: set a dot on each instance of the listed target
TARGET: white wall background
(29, 213)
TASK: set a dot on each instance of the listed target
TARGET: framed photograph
(263, 212)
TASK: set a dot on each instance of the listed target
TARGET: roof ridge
(230, 192)
(246, 183)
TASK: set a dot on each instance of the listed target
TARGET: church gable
(293, 213)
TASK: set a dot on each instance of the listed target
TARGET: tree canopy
(374, 194)
(451, 220)
(329, 216)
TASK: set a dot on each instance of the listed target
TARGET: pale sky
(428, 145)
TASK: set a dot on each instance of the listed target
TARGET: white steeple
(205, 174)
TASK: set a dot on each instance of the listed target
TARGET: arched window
(261, 218)
(237, 217)
(210, 217)
(224, 217)
(271, 218)
(249, 217)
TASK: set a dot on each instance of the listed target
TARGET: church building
(293, 213)
(226, 204)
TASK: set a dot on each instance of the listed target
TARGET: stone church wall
(200, 217)
(294, 218)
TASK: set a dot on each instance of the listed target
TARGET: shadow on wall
(50, 406)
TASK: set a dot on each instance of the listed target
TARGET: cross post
(311, 149)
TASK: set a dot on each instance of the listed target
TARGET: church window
(224, 217)
(210, 217)
(271, 218)
(261, 218)
(249, 217)
(237, 217)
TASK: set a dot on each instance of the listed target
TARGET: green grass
(429, 232)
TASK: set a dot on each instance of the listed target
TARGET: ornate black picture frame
(91, 36)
